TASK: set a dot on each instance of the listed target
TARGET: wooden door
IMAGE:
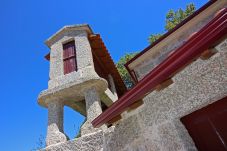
(208, 126)
(69, 57)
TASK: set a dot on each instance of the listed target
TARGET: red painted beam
(134, 78)
(170, 32)
(193, 48)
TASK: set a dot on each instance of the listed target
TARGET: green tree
(175, 17)
(122, 70)
(172, 19)
(153, 37)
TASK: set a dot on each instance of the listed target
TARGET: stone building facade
(149, 117)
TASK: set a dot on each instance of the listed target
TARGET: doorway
(208, 126)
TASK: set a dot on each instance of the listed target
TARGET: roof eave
(85, 27)
(194, 47)
(169, 33)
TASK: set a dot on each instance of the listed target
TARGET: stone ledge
(71, 91)
(90, 142)
(84, 27)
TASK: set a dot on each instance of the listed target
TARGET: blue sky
(123, 24)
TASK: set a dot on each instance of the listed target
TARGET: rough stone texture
(163, 51)
(55, 132)
(125, 133)
(93, 108)
(169, 137)
(69, 88)
(83, 50)
(148, 65)
(108, 97)
(68, 28)
(91, 142)
(112, 86)
(73, 88)
(155, 125)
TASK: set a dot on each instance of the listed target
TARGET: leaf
(122, 70)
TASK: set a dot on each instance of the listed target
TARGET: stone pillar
(112, 86)
(93, 109)
(55, 132)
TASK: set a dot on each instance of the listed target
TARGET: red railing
(193, 48)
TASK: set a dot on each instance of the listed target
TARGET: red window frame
(69, 57)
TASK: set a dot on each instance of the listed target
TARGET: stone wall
(83, 49)
(175, 40)
(153, 126)
(72, 89)
(156, 124)
(147, 65)
(92, 142)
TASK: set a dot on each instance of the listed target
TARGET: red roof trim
(134, 78)
(197, 44)
(169, 32)
(99, 49)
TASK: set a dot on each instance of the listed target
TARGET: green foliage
(153, 37)
(175, 17)
(172, 19)
(122, 70)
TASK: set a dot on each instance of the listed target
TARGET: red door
(208, 126)
(69, 57)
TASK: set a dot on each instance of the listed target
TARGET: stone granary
(82, 76)
(179, 101)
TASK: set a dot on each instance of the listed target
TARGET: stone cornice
(80, 27)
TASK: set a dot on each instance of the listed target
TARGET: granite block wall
(161, 52)
(156, 125)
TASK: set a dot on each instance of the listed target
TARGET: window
(69, 57)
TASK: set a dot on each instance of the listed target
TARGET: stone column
(93, 109)
(112, 86)
(55, 132)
